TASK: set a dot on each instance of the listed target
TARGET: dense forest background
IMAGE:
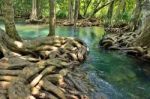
(115, 10)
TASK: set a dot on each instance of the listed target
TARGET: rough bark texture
(70, 13)
(76, 11)
(110, 12)
(120, 8)
(39, 69)
(52, 18)
(136, 16)
(86, 6)
(144, 38)
(33, 15)
(8, 14)
(36, 17)
(98, 8)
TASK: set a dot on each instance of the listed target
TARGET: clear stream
(113, 73)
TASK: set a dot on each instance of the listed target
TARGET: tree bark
(39, 9)
(33, 15)
(120, 8)
(86, 6)
(70, 13)
(100, 7)
(52, 18)
(144, 39)
(110, 12)
(136, 15)
(76, 11)
(8, 14)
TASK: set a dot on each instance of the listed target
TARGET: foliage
(87, 7)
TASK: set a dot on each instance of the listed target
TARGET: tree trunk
(33, 15)
(144, 39)
(110, 12)
(52, 18)
(136, 15)
(8, 14)
(76, 11)
(86, 6)
(124, 6)
(120, 8)
(39, 9)
(70, 13)
(100, 7)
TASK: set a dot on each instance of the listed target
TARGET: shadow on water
(113, 73)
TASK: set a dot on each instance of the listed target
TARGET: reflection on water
(113, 73)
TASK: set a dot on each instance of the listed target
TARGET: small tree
(70, 10)
(52, 18)
(33, 15)
(110, 12)
(76, 11)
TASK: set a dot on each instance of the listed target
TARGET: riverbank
(65, 22)
(124, 41)
(111, 72)
(46, 71)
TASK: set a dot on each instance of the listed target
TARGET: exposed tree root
(124, 42)
(40, 69)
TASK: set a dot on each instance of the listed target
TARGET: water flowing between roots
(113, 73)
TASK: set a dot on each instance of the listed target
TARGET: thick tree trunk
(70, 13)
(52, 18)
(8, 14)
(144, 39)
(33, 15)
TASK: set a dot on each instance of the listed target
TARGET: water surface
(113, 73)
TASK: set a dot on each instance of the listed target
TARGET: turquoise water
(113, 73)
